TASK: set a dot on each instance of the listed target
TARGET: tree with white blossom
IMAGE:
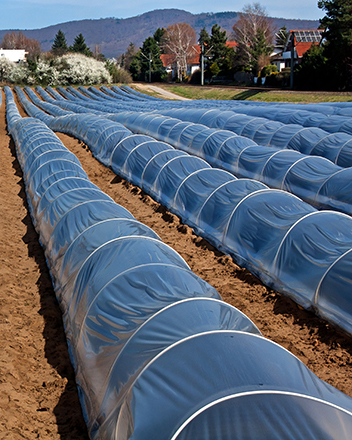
(65, 70)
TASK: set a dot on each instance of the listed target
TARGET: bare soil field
(38, 397)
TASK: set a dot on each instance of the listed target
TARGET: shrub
(46, 74)
(268, 70)
(117, 74)
(15, 73)
(279, 79)
(214, 69)
(79, 69)
(65, 70)
(5, 68)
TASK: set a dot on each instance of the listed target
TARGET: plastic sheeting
(284, 241)
(331, 138)
(309, 177)
(140, 326)
(336, 147)
(312, 178)
(329, 117)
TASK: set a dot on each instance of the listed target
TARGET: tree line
(326, 66)
(253, 33)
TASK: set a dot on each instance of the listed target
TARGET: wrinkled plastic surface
(153, 346)
(307, 419)
(292, 168)
(218, 206)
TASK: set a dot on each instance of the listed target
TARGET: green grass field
(253, 94)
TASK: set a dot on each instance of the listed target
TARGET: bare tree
(254, 32)
(33, 48)
(97, 53)
(18, 40)
(179, 41)
(11, 40)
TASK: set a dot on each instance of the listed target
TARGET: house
(193, 63)
(167, 62)
(302, 39)
(14, 55)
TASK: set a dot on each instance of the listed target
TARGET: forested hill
(113, 35)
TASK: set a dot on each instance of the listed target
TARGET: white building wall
(14, 55)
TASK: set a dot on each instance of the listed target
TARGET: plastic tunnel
(140, 324)
(287, 243)
(309, 177)
(312, 178)
(331, 138)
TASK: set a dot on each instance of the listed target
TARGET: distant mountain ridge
(113, 35)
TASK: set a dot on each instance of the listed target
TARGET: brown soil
(38, 397)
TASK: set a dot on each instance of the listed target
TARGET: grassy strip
(252, 94)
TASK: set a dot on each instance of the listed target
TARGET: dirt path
(38, 398)
(162, 92)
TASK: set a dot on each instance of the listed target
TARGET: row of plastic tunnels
(288, 243)
(157, 353)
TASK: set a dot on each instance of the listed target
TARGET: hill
(113, 35)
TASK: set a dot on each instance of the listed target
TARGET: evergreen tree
(204, 38)
(219, 50)
(79, 46)
(260, 52)
(59, 46)
(216, 51)
(338, 34)
(204, 42)
(281, 37)
(147, 62)
(135, 66)
(214, 70)
(308, 74)
(159, 37)
(128, 56)
(242, 61)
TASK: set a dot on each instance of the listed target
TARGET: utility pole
(202, 65)
(203, 54)
(292, 58)
(150, 67)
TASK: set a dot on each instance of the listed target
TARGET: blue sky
(34, 14)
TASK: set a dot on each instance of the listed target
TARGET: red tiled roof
(166, 59)
(195, 58)
(301, 48)
(231, 44)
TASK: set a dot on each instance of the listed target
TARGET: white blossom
(6, 66)
(79, 69)
(65, 70)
